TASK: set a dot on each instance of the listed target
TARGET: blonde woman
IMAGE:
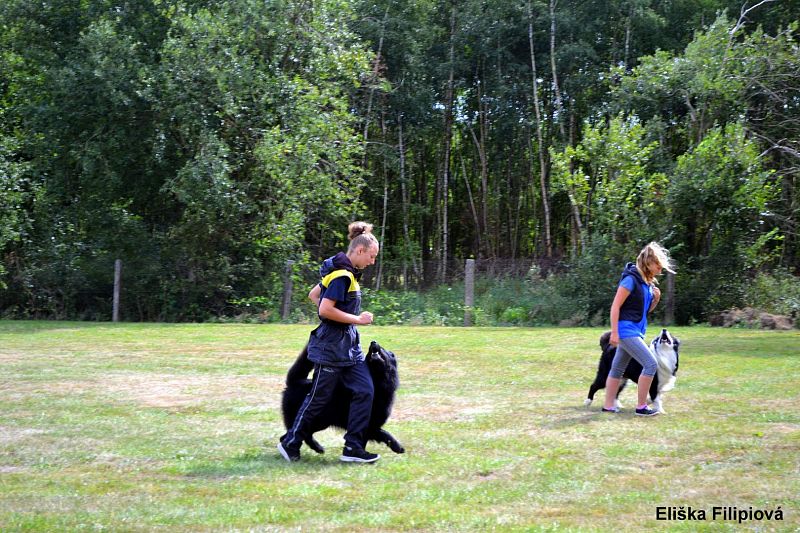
(637, 295)
(335, 348)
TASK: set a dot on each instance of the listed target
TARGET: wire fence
(521, 291)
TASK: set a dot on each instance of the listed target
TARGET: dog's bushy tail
(300, 369)
(605, 341)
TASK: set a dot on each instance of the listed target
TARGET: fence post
(469, 291)
(117, 286)
(669, 300)
(287, 291)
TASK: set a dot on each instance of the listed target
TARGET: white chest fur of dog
(665, 348)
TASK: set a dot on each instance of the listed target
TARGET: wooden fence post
(469, 291)
(669, 300)
(286, 306)
(117, 287)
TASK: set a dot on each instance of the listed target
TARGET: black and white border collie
(664, 346)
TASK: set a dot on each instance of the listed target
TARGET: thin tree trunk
(556, 90)
(375, 76)
(404, 194)
(540, 139)
(379, 278)
(475, 218)
(448, 144)
(484, 182)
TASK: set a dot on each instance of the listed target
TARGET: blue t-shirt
(628, 328)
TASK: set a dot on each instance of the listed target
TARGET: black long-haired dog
(382, 366)
(664, 347)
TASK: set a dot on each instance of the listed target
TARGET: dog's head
(382, 366)
(666, 347)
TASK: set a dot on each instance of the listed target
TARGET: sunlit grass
(173, 427)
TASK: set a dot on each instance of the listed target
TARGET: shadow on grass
(576, 415)
(258, 462)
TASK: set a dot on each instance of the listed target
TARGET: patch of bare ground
(434, 408)
(162, 390)
(11, 435)
(174, 390)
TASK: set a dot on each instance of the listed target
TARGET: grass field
(173, 428)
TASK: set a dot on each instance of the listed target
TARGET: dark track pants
(357, 380)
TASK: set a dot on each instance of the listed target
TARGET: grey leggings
(636, 348)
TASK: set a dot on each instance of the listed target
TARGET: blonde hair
(360, 234)
(653, 253)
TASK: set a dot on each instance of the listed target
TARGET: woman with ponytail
(335, 347)
(637, 295)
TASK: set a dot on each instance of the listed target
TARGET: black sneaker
(646, 411)
(353, 455)
(290, 454)
(612, 410)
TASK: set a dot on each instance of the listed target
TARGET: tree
(719, 198)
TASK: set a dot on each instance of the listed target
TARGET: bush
(777, 292)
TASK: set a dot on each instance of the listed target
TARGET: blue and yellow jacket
(334, 343)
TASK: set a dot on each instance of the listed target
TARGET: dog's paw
(587, 403)
(396, 447)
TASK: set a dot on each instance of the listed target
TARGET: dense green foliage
(205, 143)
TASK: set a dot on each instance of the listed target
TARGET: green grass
(173, 427)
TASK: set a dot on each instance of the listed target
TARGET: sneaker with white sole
(287, 452)
(646, 411)
(354, 455)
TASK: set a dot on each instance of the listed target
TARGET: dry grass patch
(178, 390)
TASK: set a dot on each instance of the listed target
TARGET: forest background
(207, 143)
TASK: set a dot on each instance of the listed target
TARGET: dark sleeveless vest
(633, 307)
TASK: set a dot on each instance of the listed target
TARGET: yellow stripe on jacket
(354, 286)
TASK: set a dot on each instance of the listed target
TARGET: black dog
(664, 346)
(382, 366)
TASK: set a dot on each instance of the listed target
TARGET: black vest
(632, 308)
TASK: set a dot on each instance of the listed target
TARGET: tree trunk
(379, 277)
(481, 148)
(404, 198)
(628, 23)
(474, 211)
(558, 102)
(448, 144)
(540, 138)
(375, 77)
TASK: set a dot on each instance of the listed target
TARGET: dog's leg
(622, 384)
(654, 396)
(314, 445)
(385, 437)
(657, 404)
(592, 391)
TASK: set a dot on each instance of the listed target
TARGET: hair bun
(358, 228)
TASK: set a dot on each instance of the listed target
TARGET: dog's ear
(388, 353)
